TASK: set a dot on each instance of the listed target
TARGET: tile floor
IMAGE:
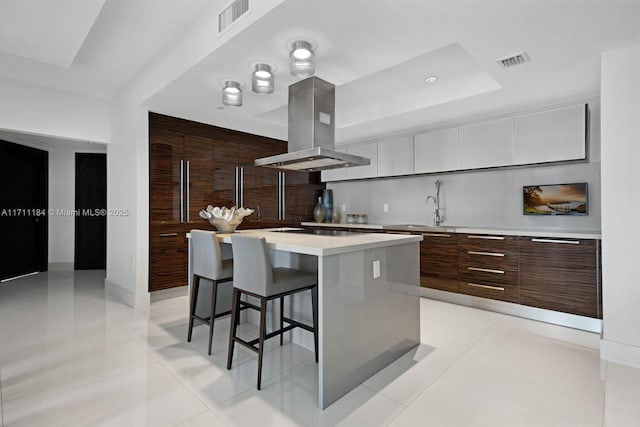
(71, 356)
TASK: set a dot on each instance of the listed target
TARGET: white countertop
(324, 245)
(569, 234)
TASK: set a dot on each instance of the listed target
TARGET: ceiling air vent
(229, 15)
(513, 60)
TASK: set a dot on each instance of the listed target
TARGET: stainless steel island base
(365, 322)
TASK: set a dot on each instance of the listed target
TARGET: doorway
(91, 212)
(24, 183)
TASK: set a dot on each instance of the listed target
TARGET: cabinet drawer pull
(436, 235)
(484, 253)
(567, 242)
(168, 234)
(474, 236)
(486, 270)
(494, 288)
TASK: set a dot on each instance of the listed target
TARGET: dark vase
(327, 203)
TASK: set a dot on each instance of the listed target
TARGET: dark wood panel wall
(217, 160)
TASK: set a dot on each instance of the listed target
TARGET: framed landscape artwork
(557, 199)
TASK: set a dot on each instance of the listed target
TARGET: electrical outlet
(376, 269)
(385, 207)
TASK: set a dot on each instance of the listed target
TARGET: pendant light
(232, 94)
(301, 59)
(262, 79)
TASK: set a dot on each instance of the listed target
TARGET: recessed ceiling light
(431, 79)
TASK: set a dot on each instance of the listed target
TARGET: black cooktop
(318, 232)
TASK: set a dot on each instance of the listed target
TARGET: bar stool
(255, 276)
(207, 263)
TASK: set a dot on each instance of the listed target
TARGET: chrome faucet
(436, 205)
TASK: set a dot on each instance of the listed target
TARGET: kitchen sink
(419, 227)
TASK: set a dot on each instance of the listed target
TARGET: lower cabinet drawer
(166, 280)
(503, 292)
(489, 274)
(167, 269)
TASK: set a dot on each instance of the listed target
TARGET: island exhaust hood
(312, 131)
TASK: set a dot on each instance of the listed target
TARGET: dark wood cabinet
(258, 186)
(167, 256)
(225, 162)
(192, 165)
(166, 154)
(299, 195)
(198, 176)
(561, 275)
(488, 266)
(557, 274)
(439, 261)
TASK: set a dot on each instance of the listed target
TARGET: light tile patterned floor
(69, 355)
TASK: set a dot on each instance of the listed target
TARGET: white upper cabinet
(335, 174)
(436, 151)
(395, 157)
(485, 145)
(551, 136)
(370, 151)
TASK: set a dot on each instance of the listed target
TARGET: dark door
(23, 209)
(91, 213)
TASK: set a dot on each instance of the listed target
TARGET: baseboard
(60, 266)
(163, 294)
(135, 300)
(623, 354)
(555, 317)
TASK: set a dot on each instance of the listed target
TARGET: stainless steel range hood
(312, 131)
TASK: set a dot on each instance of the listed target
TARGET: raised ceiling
(376, 52)
(50, 32)
(379, 53)
(84, 47)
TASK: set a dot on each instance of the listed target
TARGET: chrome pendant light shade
(232, 94)
(262, 79)
(302, 63)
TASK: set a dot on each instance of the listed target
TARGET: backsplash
(489, 198)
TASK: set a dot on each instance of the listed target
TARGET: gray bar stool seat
(207, 263)
(255, 276)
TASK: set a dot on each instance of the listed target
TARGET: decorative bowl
(225, 220)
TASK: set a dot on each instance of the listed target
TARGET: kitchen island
(368, 300)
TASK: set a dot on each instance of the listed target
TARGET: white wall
(620, 92)
(485, 198)
(61, 196)
(40, 110)
(128, 188)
